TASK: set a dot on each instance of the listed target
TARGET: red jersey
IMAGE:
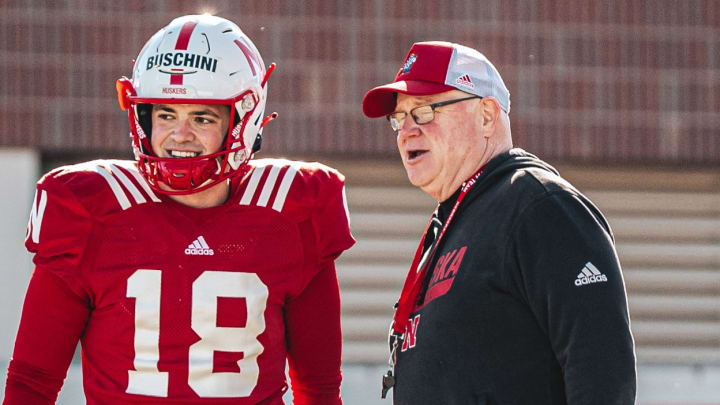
(179, 305)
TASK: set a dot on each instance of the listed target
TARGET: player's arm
(313, 315)
(57, 302)
(53, 319)
(587, 323)
(315, 340)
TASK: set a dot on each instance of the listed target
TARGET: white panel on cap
(471, 72)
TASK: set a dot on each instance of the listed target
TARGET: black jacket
(525, 301)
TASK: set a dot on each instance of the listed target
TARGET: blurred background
(622, 96)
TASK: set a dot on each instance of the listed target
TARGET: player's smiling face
(188, 130)
(434, 154)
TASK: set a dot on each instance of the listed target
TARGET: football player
(190, 275)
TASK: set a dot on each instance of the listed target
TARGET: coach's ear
(489, 111)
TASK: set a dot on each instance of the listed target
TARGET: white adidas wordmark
(199, 247)
(590, 274)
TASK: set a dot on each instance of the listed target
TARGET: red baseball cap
(435, 67)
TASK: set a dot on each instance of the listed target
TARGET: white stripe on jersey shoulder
(110, 170)
(252, 185)
(269, 182)
(143, 183)
(269, 185)
(284, 188)
(115, 187)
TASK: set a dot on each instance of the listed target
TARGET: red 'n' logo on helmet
(252, 58)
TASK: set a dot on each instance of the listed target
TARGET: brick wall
(608, 81)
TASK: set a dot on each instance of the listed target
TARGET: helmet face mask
(198, 59)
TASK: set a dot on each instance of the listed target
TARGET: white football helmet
(197, 59)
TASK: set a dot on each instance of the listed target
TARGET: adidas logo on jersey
(590, 274)
(199, 248)
(464, 80)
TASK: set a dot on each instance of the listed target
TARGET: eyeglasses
(421, 115)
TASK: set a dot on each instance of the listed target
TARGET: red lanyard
(415, 277)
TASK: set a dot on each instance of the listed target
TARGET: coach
(515, 294)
